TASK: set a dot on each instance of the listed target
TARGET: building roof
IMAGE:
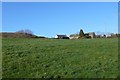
(61, 35)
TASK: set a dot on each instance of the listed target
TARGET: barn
(90, 35)
(61, 37)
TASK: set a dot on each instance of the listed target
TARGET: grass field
(54, 58)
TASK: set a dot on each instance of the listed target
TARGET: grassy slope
(28, 58)
(0, 57)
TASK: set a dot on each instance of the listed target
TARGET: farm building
(90, 35)
(74, 37)
(61, 37)
(103, 36)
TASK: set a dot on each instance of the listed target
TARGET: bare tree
(25, 31)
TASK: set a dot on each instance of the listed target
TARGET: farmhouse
(90, 35)
(61, 37)
(74, 37)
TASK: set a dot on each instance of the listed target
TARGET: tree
(25, 31)
(81, 34)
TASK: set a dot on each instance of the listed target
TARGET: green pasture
(59, 58)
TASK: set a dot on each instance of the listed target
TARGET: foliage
(57, 58)
(81, 34)
(25, 31)
(19, 35)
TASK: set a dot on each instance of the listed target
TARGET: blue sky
(51, 18)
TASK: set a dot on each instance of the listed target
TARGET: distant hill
(18, 35)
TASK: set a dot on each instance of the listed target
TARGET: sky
(51, 18)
